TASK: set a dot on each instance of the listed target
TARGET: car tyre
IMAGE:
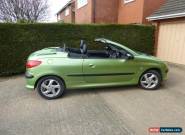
(50, 87)
(150, 80)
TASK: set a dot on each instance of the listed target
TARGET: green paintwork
(86, 73)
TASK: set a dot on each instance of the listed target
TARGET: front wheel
(150, 80)
(50, 87)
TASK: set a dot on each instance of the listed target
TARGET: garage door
(171, 42)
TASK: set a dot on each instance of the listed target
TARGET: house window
(81, 3)
(67, 12)
(127, 1)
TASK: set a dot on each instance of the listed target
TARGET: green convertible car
(53, 70)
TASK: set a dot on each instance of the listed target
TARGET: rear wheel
(50, 87)
(150, 80)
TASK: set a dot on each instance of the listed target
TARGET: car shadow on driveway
(85, 91)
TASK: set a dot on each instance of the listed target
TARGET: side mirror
(129, 56)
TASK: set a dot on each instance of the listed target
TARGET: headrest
(83, 47)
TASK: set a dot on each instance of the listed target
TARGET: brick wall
(148, 9)
(131, 12)
(68, 18)
(83, 14)
(106, 11)
(112, 11)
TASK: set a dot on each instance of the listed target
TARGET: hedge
(17, 41)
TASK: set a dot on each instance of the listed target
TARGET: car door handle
(91, 65)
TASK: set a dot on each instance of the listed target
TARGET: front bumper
(165, 74)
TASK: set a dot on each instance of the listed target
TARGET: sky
(54, 7)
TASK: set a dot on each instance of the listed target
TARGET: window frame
(128, 1)
(82, 4)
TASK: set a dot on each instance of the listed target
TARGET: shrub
(17, 41)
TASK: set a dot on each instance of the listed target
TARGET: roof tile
(170, 7)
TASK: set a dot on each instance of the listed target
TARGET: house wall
(65, 19)
(83, 14)
(60, 16)
(106, 11)
(112, 11)
(148, 9)
(137, 10)
(131, 12)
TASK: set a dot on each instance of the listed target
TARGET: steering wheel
(115, 54)
(118, 54)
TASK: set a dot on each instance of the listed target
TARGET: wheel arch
(41, 77)
(155, 69)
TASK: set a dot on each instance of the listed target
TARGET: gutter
(169, 16)
(63, 8)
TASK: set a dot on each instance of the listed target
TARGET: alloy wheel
(50, 88)
(149, 81)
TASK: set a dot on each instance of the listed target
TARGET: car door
(71, 68)
(118, 70)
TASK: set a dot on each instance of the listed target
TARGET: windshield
(116, 45)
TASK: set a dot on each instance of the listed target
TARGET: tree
(23, 10)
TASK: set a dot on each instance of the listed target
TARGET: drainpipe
(156, 36)
(93, 11)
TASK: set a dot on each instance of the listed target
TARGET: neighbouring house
(108, 11)
(170, 34)
(67, 13)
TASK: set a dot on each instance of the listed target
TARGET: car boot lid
(50, 51)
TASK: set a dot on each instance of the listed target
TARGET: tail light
(33, 63)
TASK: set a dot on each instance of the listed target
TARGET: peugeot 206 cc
(53, 70)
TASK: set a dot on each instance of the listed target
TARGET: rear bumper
(28, 75)
(30, 87)
(30, 81)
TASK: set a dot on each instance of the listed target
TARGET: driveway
(108, 111)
